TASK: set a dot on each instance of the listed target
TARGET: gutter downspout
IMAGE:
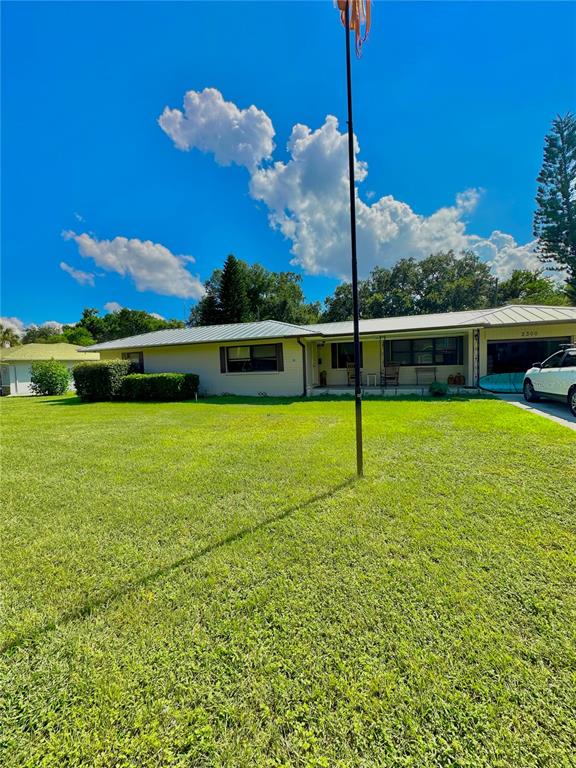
(305, 382)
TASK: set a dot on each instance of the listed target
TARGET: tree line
(92, 328)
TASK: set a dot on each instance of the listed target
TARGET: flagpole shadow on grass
(101, 603)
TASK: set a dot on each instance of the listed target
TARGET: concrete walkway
(550, 409)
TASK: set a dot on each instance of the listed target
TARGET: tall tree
(234, 306)
(271, 296)
(555, 216)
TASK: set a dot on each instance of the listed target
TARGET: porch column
(470, 359)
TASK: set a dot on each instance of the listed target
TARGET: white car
(555, 378)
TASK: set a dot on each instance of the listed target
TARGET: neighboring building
(16, 363)
(274, 358)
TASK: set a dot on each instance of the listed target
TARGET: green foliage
(555, 216)
(49, 377)
(526, 286)
(92, 328)
(100, 379)
(125, 322)
(42, 334)
(270, 295)
(200, 585)
(232, 296)
(8, 337)
(78, 335)
(159, 386)
(438, 389)
(443, 282)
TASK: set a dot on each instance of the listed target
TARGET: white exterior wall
(19, 376)
(204, 360)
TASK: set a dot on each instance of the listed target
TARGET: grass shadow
(328, 398)
(92, 606)
(265, 400)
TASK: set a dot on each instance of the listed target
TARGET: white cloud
(113, 306)
(54, 324)
(84, 278)
(210, 124)
(151, 265)
(308, 199)
(157, 316)
(14, 323)
(504, 254)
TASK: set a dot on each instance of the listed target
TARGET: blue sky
(448, 97)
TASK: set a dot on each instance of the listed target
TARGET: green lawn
(206, 584)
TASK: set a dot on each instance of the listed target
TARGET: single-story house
(16, 363)
(276, 358)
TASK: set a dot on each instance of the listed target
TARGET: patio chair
(390, 376)
(351, 374)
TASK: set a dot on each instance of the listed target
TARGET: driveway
(548, 408)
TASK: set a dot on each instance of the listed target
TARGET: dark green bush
(49, 377)
(438, 389)
(159, 386)
(101, 379)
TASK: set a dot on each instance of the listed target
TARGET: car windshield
(554, 361)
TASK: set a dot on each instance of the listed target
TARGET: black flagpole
(357, 382)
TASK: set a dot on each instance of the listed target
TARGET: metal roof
(45, 352)
(265, 329)
(512, 314)
(529, 313)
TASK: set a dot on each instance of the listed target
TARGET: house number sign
(529, 333)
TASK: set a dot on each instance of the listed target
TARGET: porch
(397, 363)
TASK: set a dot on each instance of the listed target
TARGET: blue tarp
(502, 382)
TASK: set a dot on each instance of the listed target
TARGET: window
(343, 354)
(570, 359)
(251, 359)
(137, 360)
(444, 350)
(554, 361)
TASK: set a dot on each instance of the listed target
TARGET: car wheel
(572, 400)
(529, 392)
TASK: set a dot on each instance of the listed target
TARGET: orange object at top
(359, 11)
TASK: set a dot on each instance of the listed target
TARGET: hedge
(101, 379)
(159, 386)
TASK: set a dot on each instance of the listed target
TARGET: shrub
(159, 386)
(101, 379)
(49, 377)
(438, 389)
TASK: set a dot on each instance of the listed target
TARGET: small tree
(555, 217)
(49, 377)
